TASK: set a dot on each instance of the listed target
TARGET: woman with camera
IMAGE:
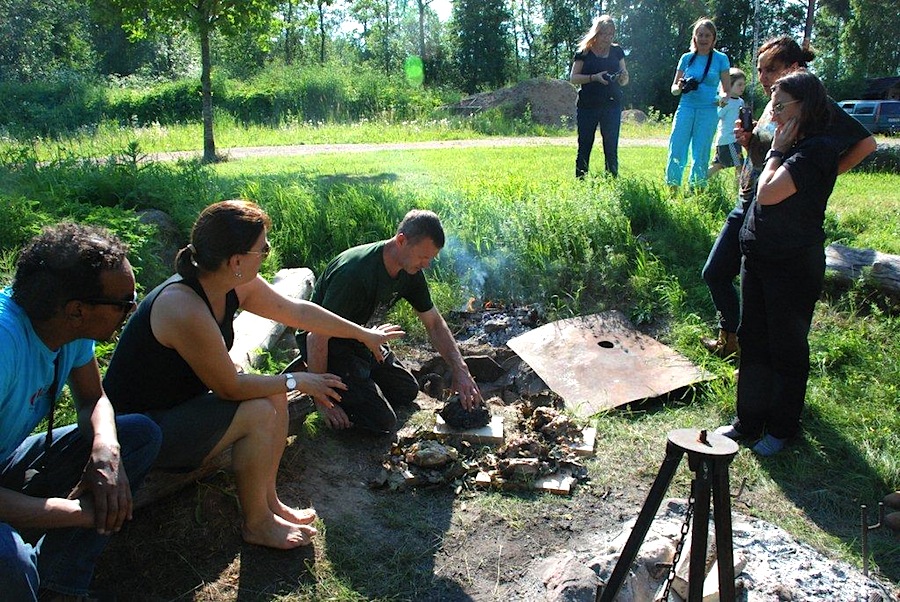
(599, 68)
(697, 80)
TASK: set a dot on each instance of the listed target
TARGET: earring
(238, 275)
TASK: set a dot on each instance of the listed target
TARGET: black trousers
(373, 388)
(779, 297)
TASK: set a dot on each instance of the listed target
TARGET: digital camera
(689, 84)
(611, 77)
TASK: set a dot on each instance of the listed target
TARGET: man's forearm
(26, 512)
(443, 341)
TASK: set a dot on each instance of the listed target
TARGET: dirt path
(315, 149)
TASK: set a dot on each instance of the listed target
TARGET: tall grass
(523, 229)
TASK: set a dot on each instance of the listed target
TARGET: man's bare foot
(297, 516)
(276, 532)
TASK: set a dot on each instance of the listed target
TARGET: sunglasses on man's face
(125, 307)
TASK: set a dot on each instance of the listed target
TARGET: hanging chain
(679, 547)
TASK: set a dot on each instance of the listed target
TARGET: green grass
(108, 138)
(521, 227)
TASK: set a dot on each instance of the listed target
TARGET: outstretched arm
(444, 343)
(260, 298)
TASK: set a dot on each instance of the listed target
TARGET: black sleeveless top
(145, 375)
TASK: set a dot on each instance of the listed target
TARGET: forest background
(66, 64)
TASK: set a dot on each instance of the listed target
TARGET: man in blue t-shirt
(71, 486)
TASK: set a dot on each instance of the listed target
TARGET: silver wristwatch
(290, 382)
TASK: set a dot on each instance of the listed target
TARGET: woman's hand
(323, 388)
(380, 335)
(785, 135)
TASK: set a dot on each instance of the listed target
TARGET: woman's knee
(261, 414)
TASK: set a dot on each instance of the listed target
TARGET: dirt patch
(450, 541)
(550, 102)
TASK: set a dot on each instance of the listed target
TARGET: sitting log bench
(849, 264)
(253, 336)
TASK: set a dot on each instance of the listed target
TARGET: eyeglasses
(264, 252)
(778, 107)
(126, 307)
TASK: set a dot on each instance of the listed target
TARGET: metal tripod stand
(708, 458)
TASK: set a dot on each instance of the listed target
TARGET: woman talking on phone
(599, 68)
(782, 240)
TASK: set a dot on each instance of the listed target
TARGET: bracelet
(774, 154)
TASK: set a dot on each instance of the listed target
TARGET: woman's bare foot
(298, 516)
(276, 532)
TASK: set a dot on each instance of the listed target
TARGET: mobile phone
(746, 119)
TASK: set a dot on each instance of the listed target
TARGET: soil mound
(551, 102)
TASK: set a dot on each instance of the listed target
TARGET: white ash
(495, 327)
(778, 568)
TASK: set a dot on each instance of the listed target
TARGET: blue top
(708, 92)
(26, 373)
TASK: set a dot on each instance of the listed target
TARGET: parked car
(879, 116)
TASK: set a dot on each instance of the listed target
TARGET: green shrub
(48, 108)
(885, 159)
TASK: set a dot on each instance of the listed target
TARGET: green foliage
(885, 159)
(278, 96)
(482, 44)
(49, 106)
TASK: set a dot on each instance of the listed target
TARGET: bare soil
(422, 543)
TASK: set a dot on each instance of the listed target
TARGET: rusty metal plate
(600, 361)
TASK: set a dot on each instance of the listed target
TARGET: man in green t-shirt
(355, 285)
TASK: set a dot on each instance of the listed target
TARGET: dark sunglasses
(125, 306)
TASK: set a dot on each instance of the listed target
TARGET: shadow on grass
(824, 475)
(374, 543)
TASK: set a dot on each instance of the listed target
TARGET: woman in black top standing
(599, 68)
(782, 241)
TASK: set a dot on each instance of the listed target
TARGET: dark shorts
(729, 155)
(191, 430)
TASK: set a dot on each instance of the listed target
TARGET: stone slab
(588, 441)
(490, 434)
(600, 361)
(559, 482)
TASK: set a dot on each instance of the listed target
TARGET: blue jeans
(722, 266)
(62, 560)
(610, 122)
(692, 127)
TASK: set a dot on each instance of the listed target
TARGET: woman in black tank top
(172, 363)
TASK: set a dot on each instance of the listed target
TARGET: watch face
(290, 382)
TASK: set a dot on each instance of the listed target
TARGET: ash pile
(494, 323)
(523, 439)
(769, 565)
(544, 452)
